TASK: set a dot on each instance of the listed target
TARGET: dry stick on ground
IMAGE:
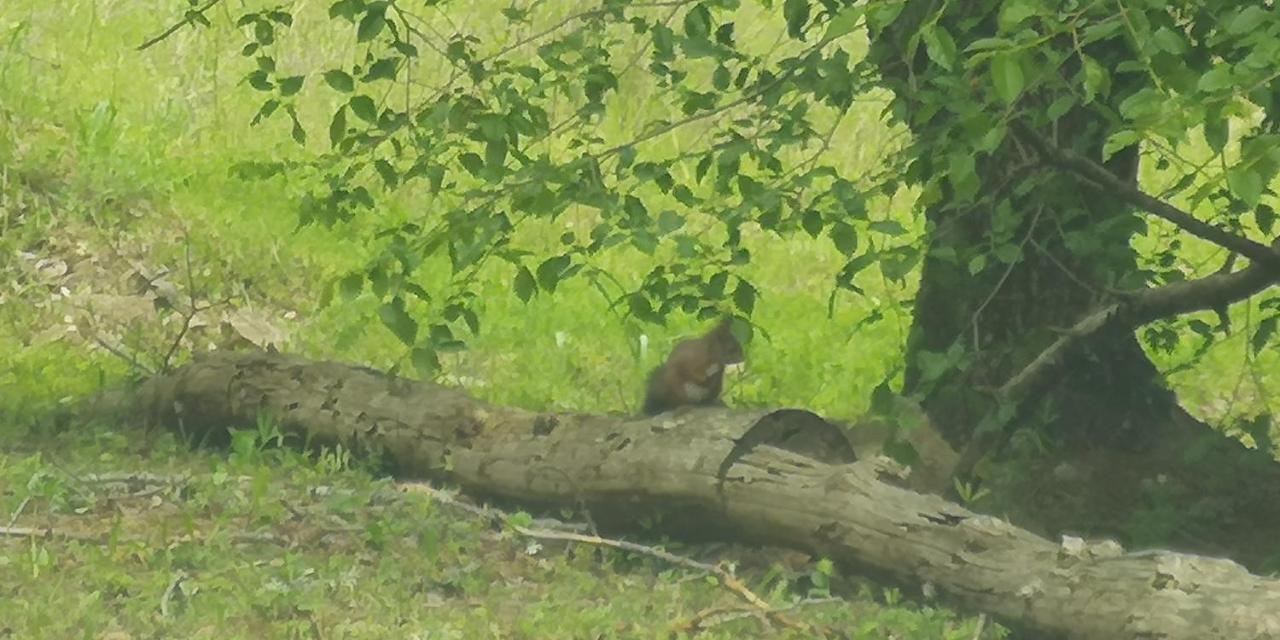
(18, 512)
(727, 579)
(49, 533)
(99, 538)
(730, 581)
(713, 616)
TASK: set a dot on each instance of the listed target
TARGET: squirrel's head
(727, 347)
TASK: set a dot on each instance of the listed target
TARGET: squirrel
(694, 372)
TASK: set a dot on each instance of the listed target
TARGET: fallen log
(784, 477)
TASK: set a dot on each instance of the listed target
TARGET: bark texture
(786, 477)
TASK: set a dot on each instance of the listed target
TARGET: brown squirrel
(694, 372)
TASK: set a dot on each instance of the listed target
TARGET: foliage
(1191, 86)
(534, 125)
(513, 135)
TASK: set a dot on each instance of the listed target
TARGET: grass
(153, 538)
(114, 164)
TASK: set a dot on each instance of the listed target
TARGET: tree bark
(785, 477)
(1115, 428)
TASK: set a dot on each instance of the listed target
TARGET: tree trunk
(1115, 426)
(784, 477)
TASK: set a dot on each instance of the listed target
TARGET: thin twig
(174, 585)
(727, 579)
(18, 512)
(977, 313)
(718, 615)
(982, 626)
(189, 19)
(730, 581)
(47, 533)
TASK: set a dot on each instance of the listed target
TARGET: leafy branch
(1100, 176)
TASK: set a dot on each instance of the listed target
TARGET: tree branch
(1100, 176)
(1132, 311)
(190, 18)
(1136, 309)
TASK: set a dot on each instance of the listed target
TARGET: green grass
(112, 159)
(136, 147)
(261, 542)
(116, 161)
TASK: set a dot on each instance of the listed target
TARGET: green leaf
(1006, 76)
(524, 284)
(993, 137)
(704, 165)
(984, 44)
(724, 34)
(1060, 107)
(844, 237)
(495, 155)
(425, 360)
(1217, 130)
(387, 172)
(1262, 335)
(963, 176)
(669, 221)
(897, 264)
(744, 297)
(351, 286)
(640, 308)
(472, 163)
(551, 270)
(398, 321)
(977, 264)
(796, 13)
(492, 126)
(1265, 217)
(1118, 141)
(370, 26)
(684, 195)
(697, 22)
(887, 227)
(1248, 20)
(721, 78)
(940, 46)
(298, 134)
(259, 80)
(364, 108)
(338, 126)
(1216, 79)
(1097, 82)
(811, 222)
(844, 22)
(1170, 41)
(1008, 253)
(1013, 12)
(1246, 184)
(263, 32)
(290, 85)
(384, 69)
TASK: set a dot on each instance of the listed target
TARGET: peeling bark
(784, 477)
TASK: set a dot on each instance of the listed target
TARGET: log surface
(785, 477)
